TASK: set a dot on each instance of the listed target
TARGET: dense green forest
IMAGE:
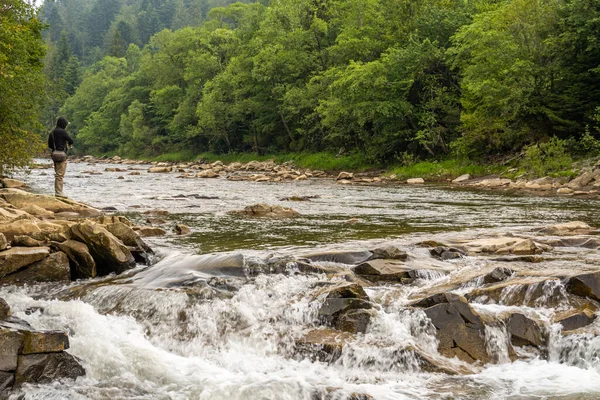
(392, 80)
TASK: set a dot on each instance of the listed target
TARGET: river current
(147, 336)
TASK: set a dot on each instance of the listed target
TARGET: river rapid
(169, 331)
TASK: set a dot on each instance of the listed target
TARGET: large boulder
(109, 253)
(15, 258)
(346, 307)
(389, 253)
(19, 227)
(44, 342)
(54, 268)
(81, 262)
(585, 285)
(385, 271)
(459, 329)
(46, 368)
(525, 331)
(140, 250)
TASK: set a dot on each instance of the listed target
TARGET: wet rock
(267, 211)
(434, 299)
(459, 329)
(156, 221)
(7, 380)
(462, 178)
(446, 253)
(584, 242)
(568, 229)
(345, 307)
(162, 213)
(354, 321)
(527, 259)
(158, 170)
(525, 332)
(528, 291)
(344, 176)
(46, 368)
(4, 309)
(130, 238)
(415, 181)
(585, 285)
(44, 342)
(148, 231)
(342, 257)
(10, 344)
(493, 183)
(526, 247)
(3, 242)
(17, 257)
(109, 253)
(81, 262)
(497, 275)
(385, 271)
(181, 229)
(54, 268)
(323, 344)
(389, 253)
(577, 320)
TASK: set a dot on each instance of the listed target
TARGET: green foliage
(547, 158)
(21, 83)
(443, 170)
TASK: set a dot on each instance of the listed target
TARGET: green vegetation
(447, 169)
(21, 83)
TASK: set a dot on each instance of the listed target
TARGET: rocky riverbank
(587, 183)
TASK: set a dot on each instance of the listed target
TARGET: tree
(21, 82)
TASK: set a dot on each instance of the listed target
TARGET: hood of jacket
(62, 122)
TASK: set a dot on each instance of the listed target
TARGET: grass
(442, 170)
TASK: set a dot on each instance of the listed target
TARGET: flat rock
(8, 183)
(44, 342)
(342, 257)
(17, 257)
(19, 227)
(46, 368)
(568, 229)
(148, 231)
(159, 170)
(415, 181)
(267, 211)
(462, 178)
(10, 344)
(577, 320)
(54, 268)
(385, 270)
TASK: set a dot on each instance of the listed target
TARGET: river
(147, 336)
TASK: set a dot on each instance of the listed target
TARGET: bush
(548, 158)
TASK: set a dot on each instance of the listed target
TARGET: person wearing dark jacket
(59, 141)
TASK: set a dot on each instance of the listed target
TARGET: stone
(323, 344)
(12, 183)
(207, 173)
(109, 253)
(4, 309)
(21, 199)
(494, 183)
(267, 211)
(156, 221)
(3, 242)
(462, 178)
(342, 257)
(585, 285)
(181, 229)
(344, 176)
(140, 250)
(148, 231)
(581, 181)
(446, 253)
(17, 257)
(340, 308)
(157, 212)
(498, 274)
(8, 214)
(577, 320)
(160, 170)
(54, 268)
(568, 229)
(46, 368)
(389, 253)
(81, 262)
(7, 380)
(564, 190)
(524, 331)
(526, 247)
(459, 329)
(415, 181)
(385, 270)
(19, 227)
(26, 241)
(37, 211)
(44, 342)
(10, 345)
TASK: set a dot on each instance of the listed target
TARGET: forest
(394, 81)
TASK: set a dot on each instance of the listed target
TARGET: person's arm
(69, 139)
(50, 142)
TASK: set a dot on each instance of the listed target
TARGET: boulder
(446, 253)
(19, 227)
(8, 183)
(54, 268)
(3, 242)
(81, 262)
(267, 211)
(346, 307)
(581, 181)
(10, 344)
(21, 199)
(459, 329)
(4, 309)
(27, 241)
(140, 250)
(8, 214)
(462, 178)
(207, 173)
(524, 331)
(181, 229)
(17, 257)
(585, 285)
(568, 229)
(46, 368)
(323, 344)
(498, 274)
(564, 190)
(160, 170)
(44, 342)
(156, 221)
(109, 253)
(577, 320)
(415, 181)
(389, 253)
(342, 257)
(148, 231)
(344, 176)
(385, 271)
(37, 211)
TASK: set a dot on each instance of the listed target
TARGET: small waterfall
(497, 343)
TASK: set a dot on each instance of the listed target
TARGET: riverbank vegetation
(384, 82)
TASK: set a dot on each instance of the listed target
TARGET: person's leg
(59, 169)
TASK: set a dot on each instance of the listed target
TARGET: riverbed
(146, 336)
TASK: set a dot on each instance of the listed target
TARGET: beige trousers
(59, 169)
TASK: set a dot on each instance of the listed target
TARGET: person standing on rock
(59, 141)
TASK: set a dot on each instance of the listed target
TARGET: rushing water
(155, 335)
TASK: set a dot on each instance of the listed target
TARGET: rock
(498, 274)
(385, 270)
(109, 253)
(37, 211)
(160, 170)
(446, 253)
(4, 309)
(577, 320)
(156, 221)
(581, 181)
(415, 181)
(81, 262)
(134, 173)
(525, 332)
(344, 176)
(181, 229)
(207, 173)
(342, 257)
(389, 253)
(345, 307)
(140, 250)
(157, 212)
(26, 241)
(526, 247)
(17, 257)
(430, 301)
(10, 344)
(148, 231)
(354, 321)
(46, 368)
(11, 183)
(21, 199)
(459, 329)
(565, 190)
(522, 291)
(3, 242)
(462, 178)
(8, 214)
(323, 344)
(267, 211)
(19, 227)
(568, 229)
(6, 381)
(585, 285)
(44, 342)
(493, 183)
(54, 268)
